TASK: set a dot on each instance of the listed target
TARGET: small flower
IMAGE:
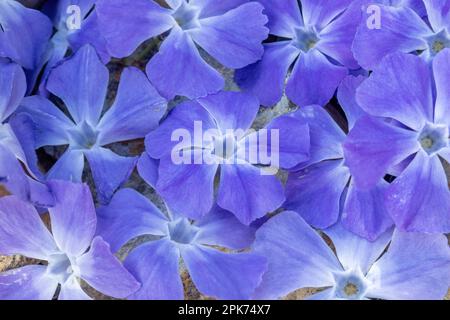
(230, 31)
(71, 251)
(405, 135)
(188, 188)
(81, 82)
(414, 267)
(156, 263)
(314, 38)
(322, 189)
(404, 30)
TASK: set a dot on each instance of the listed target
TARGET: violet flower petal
(415, 267)
(178, 69)
(156, 266)
(221, 228)
(129, 215)
(22, 231)
(139, 20)
(137, 110)
(355, 252)
(27, 283)
(223, 275)
(81, 82)
(393, 93)
(365, 212)
(73, 217)
(109, 171)
(419, 199)
(247, 193)
(270, 72)
(297, 257)
(234, 38)
(315, 192)
(373, 146)
(104, 272)
(314, 79)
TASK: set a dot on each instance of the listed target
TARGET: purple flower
(322, 189)
(81, 82)
(406, 138)
(230, 31)
(314, 40)
(414, 267)
(68, 35)
(188, 187)
(71, 250)
(156, 263)
(16, 139)
(403, 29)
(24, 35)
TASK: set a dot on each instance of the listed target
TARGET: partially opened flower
(156, 263)
(81, 82)
(76, 24)
(414, 267)
(212, 137)
(17, 140)
(24, 36)
(314, 41)
(230, 31)
(402, 29)
(322, 189)
(408, 132)
(71, 251)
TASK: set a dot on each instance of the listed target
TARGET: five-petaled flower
(242, 189)
(82, 82)
(230, 31)
(315, 39)
(71, 250)
(405, 135)
(415, 265)
(224, 274)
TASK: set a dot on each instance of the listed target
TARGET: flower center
(350, 285)
(83, 136)
(182, 231)
(305, 38)
(438, 42)
(351, 289)
(186, 16)
(59, 267)
(433, 138)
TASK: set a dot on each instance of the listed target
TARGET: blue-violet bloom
(71, 250)
(82, 82)
(156, 263)
(397, 266)
(313, 38)
(403, 29)
(230, 31)
(242, 187)
(408, 127)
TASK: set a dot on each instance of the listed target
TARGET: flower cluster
(255, 147)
